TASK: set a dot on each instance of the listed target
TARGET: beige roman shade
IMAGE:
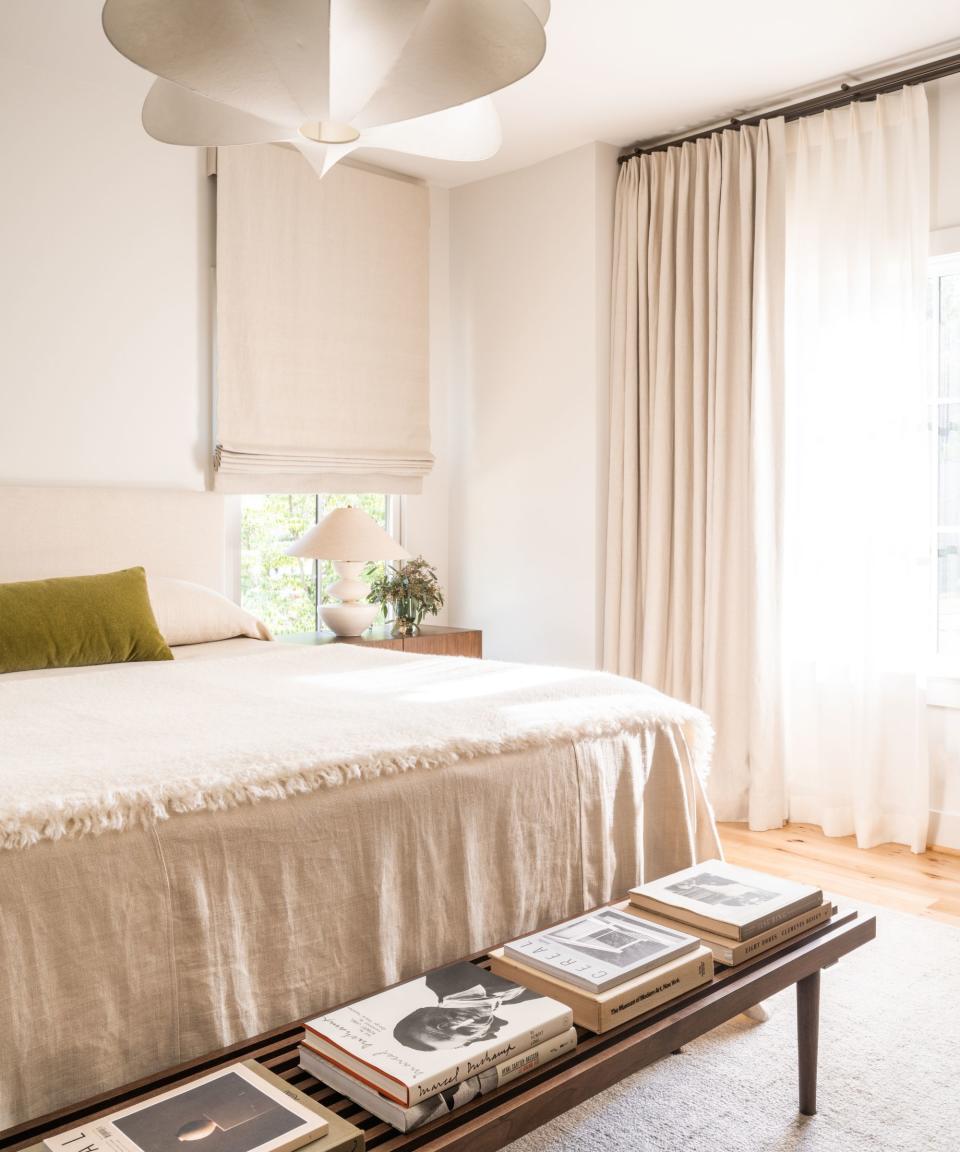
(322, 333)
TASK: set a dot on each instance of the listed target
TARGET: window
(283, 590)
(943, 313)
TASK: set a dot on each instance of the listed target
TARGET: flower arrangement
(412, 590)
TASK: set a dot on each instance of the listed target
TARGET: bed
(193, 852)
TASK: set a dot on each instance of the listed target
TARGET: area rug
(889, 1067)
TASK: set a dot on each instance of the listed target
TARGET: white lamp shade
(329, 76)
(348, 534)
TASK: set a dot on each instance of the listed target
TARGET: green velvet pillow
(77, 620)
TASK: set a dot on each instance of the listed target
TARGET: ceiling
(628, 70)
(615, 70)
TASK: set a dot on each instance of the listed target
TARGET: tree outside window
(285, 591)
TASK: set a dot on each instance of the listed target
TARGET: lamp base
(348, 619)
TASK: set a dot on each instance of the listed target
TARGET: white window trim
(943, 674)
(396, 526)
(943, 691)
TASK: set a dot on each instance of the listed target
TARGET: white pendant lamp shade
(350, 538)
(330, 76)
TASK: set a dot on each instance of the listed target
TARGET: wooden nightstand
(433, 640)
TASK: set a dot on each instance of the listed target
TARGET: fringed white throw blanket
(130, 744)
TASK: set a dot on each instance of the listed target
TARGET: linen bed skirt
(124, 953)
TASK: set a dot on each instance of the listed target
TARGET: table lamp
(351, 539)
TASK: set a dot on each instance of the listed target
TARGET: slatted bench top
(491, 1121)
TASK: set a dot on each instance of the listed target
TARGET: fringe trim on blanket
(117, 810)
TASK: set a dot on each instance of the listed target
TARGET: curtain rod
(846, 94)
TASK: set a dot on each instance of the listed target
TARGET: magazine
(418, 1039)
(602, 949)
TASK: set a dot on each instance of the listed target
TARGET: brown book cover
(602, 1011)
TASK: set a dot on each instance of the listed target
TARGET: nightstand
(433, 640)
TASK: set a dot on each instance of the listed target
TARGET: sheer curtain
(856, 470)
(693, 532)
(766, 531)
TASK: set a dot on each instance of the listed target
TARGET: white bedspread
(128, 952)
(129, 745)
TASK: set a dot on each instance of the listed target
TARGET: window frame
(943, 673)
(395, 506)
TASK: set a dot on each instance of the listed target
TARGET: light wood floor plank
(889, 875)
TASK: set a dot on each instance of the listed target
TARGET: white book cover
(420, 1038)
(231, 1110)
(726, 894)
(602, 949)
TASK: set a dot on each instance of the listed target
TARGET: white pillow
(191, 614)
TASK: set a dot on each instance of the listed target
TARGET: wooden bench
(492, 1121)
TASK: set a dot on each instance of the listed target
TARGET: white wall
(105, 242)
(530, 254)
(106, 250)
(943, 99)
(426, 517)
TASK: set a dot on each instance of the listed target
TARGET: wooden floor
(890, 875)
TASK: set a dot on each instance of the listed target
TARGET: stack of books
(608, 966)
(424, 1048)
(736, 913)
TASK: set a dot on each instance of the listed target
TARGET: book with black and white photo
(602, 949)
(240, 1108)
(726, 899)
(450, 1099)
(424, 1036)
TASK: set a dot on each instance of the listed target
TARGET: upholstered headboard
(76, 531)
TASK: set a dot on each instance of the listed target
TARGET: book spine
(763, 943)
(407, 1119)
(432, 1086)
(695, 922)
(526, 1062)
(683, 978)
(766, 923)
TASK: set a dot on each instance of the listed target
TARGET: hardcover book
(734, 952)
(725, 899)
(240, 1108)
(406, 1119)
(600, 1011)
(602, 949)
(415, 1041)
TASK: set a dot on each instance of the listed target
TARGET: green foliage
(281, 589)
(411, 589)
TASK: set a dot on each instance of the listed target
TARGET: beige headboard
(76, 531)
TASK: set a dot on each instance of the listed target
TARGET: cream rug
(889, 1067)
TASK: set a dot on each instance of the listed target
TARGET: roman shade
(322, 334)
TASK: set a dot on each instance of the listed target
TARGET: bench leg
(808, 1035)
